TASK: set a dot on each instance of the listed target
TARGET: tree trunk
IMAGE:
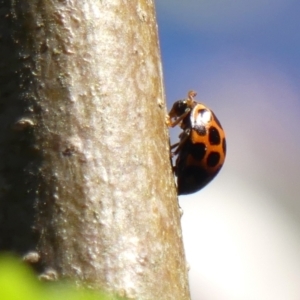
(85, 175)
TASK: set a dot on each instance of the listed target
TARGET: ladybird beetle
(201, 149)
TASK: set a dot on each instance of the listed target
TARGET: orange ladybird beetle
(201, 149)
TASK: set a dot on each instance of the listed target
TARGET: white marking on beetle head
(201, 118)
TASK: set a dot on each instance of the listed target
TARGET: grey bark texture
(85, 174)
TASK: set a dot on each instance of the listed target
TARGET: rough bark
(85, 175)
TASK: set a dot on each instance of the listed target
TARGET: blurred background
(242, 231)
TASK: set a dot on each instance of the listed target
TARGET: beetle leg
(171, 123)
(183, 138)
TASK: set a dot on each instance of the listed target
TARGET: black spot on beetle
(214, 136)
(200, 129)
(213, 159)
(198, 151)
(202, 111)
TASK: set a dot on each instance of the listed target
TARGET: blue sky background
(241, 232)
